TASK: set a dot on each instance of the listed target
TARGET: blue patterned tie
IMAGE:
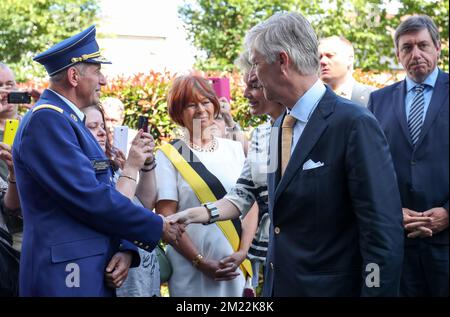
(415, 118)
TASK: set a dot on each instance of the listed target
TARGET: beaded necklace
(211, 147)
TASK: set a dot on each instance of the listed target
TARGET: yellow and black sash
(207, 188)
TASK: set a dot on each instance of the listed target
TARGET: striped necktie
(286, 140)
(415, 117)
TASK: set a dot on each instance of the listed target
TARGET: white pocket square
(310, 164)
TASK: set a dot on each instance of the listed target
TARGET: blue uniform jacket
(73, 217)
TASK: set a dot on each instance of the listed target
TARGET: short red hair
(187, 89)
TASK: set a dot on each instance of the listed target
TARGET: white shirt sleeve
(167, 177)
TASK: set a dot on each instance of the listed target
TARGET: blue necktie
(415, 117)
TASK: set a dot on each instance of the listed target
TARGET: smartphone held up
(221, 86)
(19, 97)
(10, 131)
(143, 123)
(120, 139)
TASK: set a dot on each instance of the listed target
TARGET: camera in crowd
(18, 97)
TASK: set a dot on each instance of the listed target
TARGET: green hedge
(146, 94)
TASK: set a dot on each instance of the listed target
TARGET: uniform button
(277, 230)
(147, 247)
(271, 265)
(136, 242)
(413, 162)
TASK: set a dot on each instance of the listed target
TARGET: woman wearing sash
(192, 171)
(251, 186)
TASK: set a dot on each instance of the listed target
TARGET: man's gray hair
(3, 66)
(417, 23)
(59, 76)
(243, 62)
(113, 102)
(286, 32)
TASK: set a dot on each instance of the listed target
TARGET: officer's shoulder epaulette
(48, 107)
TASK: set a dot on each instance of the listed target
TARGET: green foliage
(370, 27)
(218, 26)
(145, 94)
(28, 27)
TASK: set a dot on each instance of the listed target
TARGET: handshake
(175, 224)
(172, 231)
(188, 216)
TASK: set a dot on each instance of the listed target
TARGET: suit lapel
(440, 93)
(399, 109)
(314, 128)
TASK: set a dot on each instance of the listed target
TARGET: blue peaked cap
(81, 47)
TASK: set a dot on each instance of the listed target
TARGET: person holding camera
(7, 110)
(11, 222)
(11, 225)
(9, 210)
(193, 170)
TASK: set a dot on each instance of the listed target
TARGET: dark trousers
(425, 270)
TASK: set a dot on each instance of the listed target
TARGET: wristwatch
(213, 212)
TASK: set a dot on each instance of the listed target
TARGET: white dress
(225, 163)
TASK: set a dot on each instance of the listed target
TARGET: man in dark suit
(414, 116)
(337, 56)
(75, 222)
(336, 222)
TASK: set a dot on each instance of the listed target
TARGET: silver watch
(213, 212)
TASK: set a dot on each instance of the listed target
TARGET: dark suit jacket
(422, 171)
(361, 93)
(330, 222)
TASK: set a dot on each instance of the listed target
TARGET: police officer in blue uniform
(74, 219)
